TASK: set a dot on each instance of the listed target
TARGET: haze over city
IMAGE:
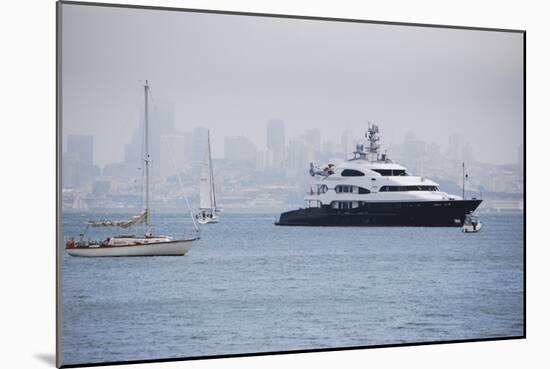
(233, 74)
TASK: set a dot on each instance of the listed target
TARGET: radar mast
(372, 151)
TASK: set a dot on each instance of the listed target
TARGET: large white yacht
(372, 190)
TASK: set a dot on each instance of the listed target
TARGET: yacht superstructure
(372, 190)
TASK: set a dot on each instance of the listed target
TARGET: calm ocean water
(249, 286)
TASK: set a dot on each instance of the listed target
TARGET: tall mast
(212, 189)
(148, 231)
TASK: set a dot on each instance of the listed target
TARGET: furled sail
(136, 219)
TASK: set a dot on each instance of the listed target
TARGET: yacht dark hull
(385, 214)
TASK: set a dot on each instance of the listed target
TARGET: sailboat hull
(171, 248)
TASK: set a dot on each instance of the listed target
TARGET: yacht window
(352, 173)
(390, 172)
(383, 172)
(343, 188)
(344, 204)
(408, 188)
(363, 190)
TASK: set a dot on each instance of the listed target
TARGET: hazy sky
(233, 73)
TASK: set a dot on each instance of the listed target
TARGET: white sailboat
(208, 210)
(133, 245)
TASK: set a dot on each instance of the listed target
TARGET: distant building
(313, 138)
(71, 176)
(264, 159)
(275, 138)
(192, 146)
(78, 168)
(240, 149)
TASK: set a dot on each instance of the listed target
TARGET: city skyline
(350, 133)
(190, 145)
(184, 152)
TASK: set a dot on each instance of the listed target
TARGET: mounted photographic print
(235, 183)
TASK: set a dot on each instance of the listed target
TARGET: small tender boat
(208, 211)
(133, 245)
(471, 224)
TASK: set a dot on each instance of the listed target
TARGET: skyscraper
(78, 161)
(276, 140)
(264, 159)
